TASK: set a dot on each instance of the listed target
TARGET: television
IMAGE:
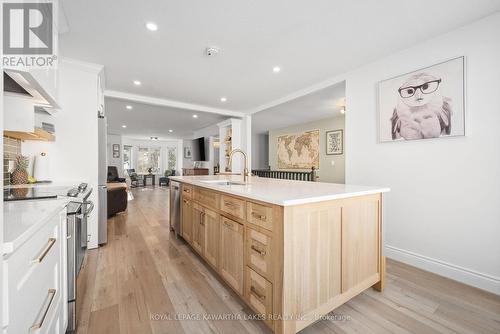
(198, 149)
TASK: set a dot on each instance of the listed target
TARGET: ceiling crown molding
(169, 103)
(302, 92)
(82, 65)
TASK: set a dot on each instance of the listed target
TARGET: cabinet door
(198, 236)
(187, 219)
(211, 247)
(360, 242)
(231, 253)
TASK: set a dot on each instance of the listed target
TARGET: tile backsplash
(11, 148)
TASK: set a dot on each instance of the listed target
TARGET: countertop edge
(10, 246)
(285, 203)
(334, 197)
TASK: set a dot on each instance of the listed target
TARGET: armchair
(165, 179)
(113, 175)
(135, 180)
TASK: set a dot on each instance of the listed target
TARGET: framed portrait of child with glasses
(423, 104)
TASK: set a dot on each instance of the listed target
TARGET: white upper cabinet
(23, 90)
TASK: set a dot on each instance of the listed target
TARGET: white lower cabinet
(34, 291)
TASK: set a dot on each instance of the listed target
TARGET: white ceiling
(324, 103)
(310, 40)
(145, 120)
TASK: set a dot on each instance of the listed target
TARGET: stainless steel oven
(77, 238)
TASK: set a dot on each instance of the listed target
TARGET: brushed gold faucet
(246, 174)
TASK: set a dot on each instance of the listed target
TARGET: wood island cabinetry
(292, 263)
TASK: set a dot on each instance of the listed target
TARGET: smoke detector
(211, 51)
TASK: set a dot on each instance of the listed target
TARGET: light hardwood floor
(144, 277)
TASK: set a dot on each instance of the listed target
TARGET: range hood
(11, 86)
(24, 84)
(25, 103)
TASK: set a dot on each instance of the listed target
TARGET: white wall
(246, 138)
(260, 151)
(209, 133)
(443, 213)
(331, 167)
(73, 157)
(187, 163)
(117, 162)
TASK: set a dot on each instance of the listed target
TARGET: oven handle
(89, 210)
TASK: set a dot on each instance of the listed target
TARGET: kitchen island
(292, 250)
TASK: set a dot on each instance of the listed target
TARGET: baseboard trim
(467, 276)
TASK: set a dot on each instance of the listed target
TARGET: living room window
(171, 157)
(148, 158)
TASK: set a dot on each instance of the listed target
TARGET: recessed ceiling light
(154, 138)
(276, 69)
(195, 116)
(151, 26)
(223, 99)
(137, 83)
(129, 107)
(170, 130)
(124, 126)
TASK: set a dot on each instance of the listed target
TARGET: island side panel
(360, 241)
(380, 285)
(323, 247)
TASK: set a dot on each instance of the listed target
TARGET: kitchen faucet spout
(246, 174)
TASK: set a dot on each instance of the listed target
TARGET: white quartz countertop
(280, 192)
(21, 219)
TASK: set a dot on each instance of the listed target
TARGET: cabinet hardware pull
(45, 251)
(260, 251)
(186, 190)
(256, 215)
(42, 315)
(186, 201)
(257, 294)
(229, 204)
(228, 224)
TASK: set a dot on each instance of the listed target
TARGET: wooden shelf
(38, 134)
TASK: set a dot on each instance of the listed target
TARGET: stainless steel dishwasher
(175, 207)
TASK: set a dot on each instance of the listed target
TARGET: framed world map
(299, 151)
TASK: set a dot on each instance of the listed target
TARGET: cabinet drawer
(35, 252)
(187, 191)
(207, 197)
(259, 294)
(56, 323)
(260, 215)
(33, 300)
(233, 206)
(259, 252)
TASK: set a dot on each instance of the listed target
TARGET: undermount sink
(224, 182)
